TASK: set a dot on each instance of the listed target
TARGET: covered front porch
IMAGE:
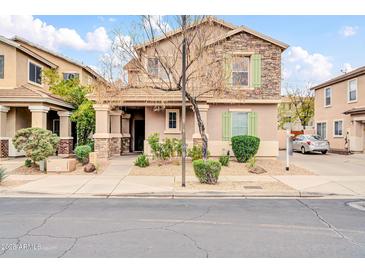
(357, 129)
(125, 129)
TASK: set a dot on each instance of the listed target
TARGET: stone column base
(102, 147)
(115, 144)
(65, 147)
(125, 144)
(4, 148)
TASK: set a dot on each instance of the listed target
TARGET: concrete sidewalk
(113, 185)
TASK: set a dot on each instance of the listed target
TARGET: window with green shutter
(238, 123)
(256, 70)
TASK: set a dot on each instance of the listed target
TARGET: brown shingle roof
(25, 94)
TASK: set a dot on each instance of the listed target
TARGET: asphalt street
(61, 227)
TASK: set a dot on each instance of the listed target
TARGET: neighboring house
(340, 111)
(25, 100)
(251, 107)
(286, 114)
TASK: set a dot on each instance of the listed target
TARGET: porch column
(102, 136)
(204, 115)
(4, 140)
(66, 140)
(115, 130)
(126, 135)
(39, 116)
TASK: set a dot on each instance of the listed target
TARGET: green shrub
(245, 147)
(224, 160)
(37, 143)
(82, 153)
(28, 163)
(207, 171)
(196, 152)
(142, 161)
(166, 149)
(3, 174)
(91, 143)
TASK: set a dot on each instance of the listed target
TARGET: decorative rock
(257, 170)
(89, 168)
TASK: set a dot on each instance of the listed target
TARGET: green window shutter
(228, 69)
(226, 126)
(256, 71)
(252, 124)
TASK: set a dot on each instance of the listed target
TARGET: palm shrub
(245, 147)
(37, 143)
(142, 161)
(82, 153)
(207, 171)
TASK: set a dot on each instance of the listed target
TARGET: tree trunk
(200, 125)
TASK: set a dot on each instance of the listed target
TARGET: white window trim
(324, 96)
(172, 130)
(348, 91)
(39, 65)
(243, 54)
(334, 133)
(323, 122)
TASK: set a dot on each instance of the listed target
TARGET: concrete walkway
(115, 182)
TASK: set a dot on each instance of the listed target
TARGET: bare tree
(157, 66)
(301, 101)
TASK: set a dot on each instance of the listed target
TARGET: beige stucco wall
(9, 53)
(267, 127)
(334, 112)
(63, 65)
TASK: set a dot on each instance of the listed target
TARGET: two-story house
(253, 61)
(25, 100)
(340, 111)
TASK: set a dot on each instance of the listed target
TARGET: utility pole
(183, 110)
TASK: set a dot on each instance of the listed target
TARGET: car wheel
(324, 152)
(303, 150)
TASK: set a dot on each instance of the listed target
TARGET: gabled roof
(177, 31)
(27, 51)
(72, 61)
(352, 74)
(250, 31)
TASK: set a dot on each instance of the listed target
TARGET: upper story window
(152, 66)
(35, 73)
(240, 70)
(352, 91)
(327, 97)
(155, 68)
(70, 75)
(2, 66)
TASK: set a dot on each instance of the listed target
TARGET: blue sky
(321, 46)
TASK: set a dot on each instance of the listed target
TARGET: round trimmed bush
(207, 171)
(82, 153)
(245, 147)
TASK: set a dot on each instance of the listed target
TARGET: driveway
(329, 164)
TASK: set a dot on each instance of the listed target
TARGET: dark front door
(138, 135)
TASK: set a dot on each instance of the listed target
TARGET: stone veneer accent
(102, 147)
(116, 145)
(270, 66)
(65, 146)
(125, 144)
(4, 148)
